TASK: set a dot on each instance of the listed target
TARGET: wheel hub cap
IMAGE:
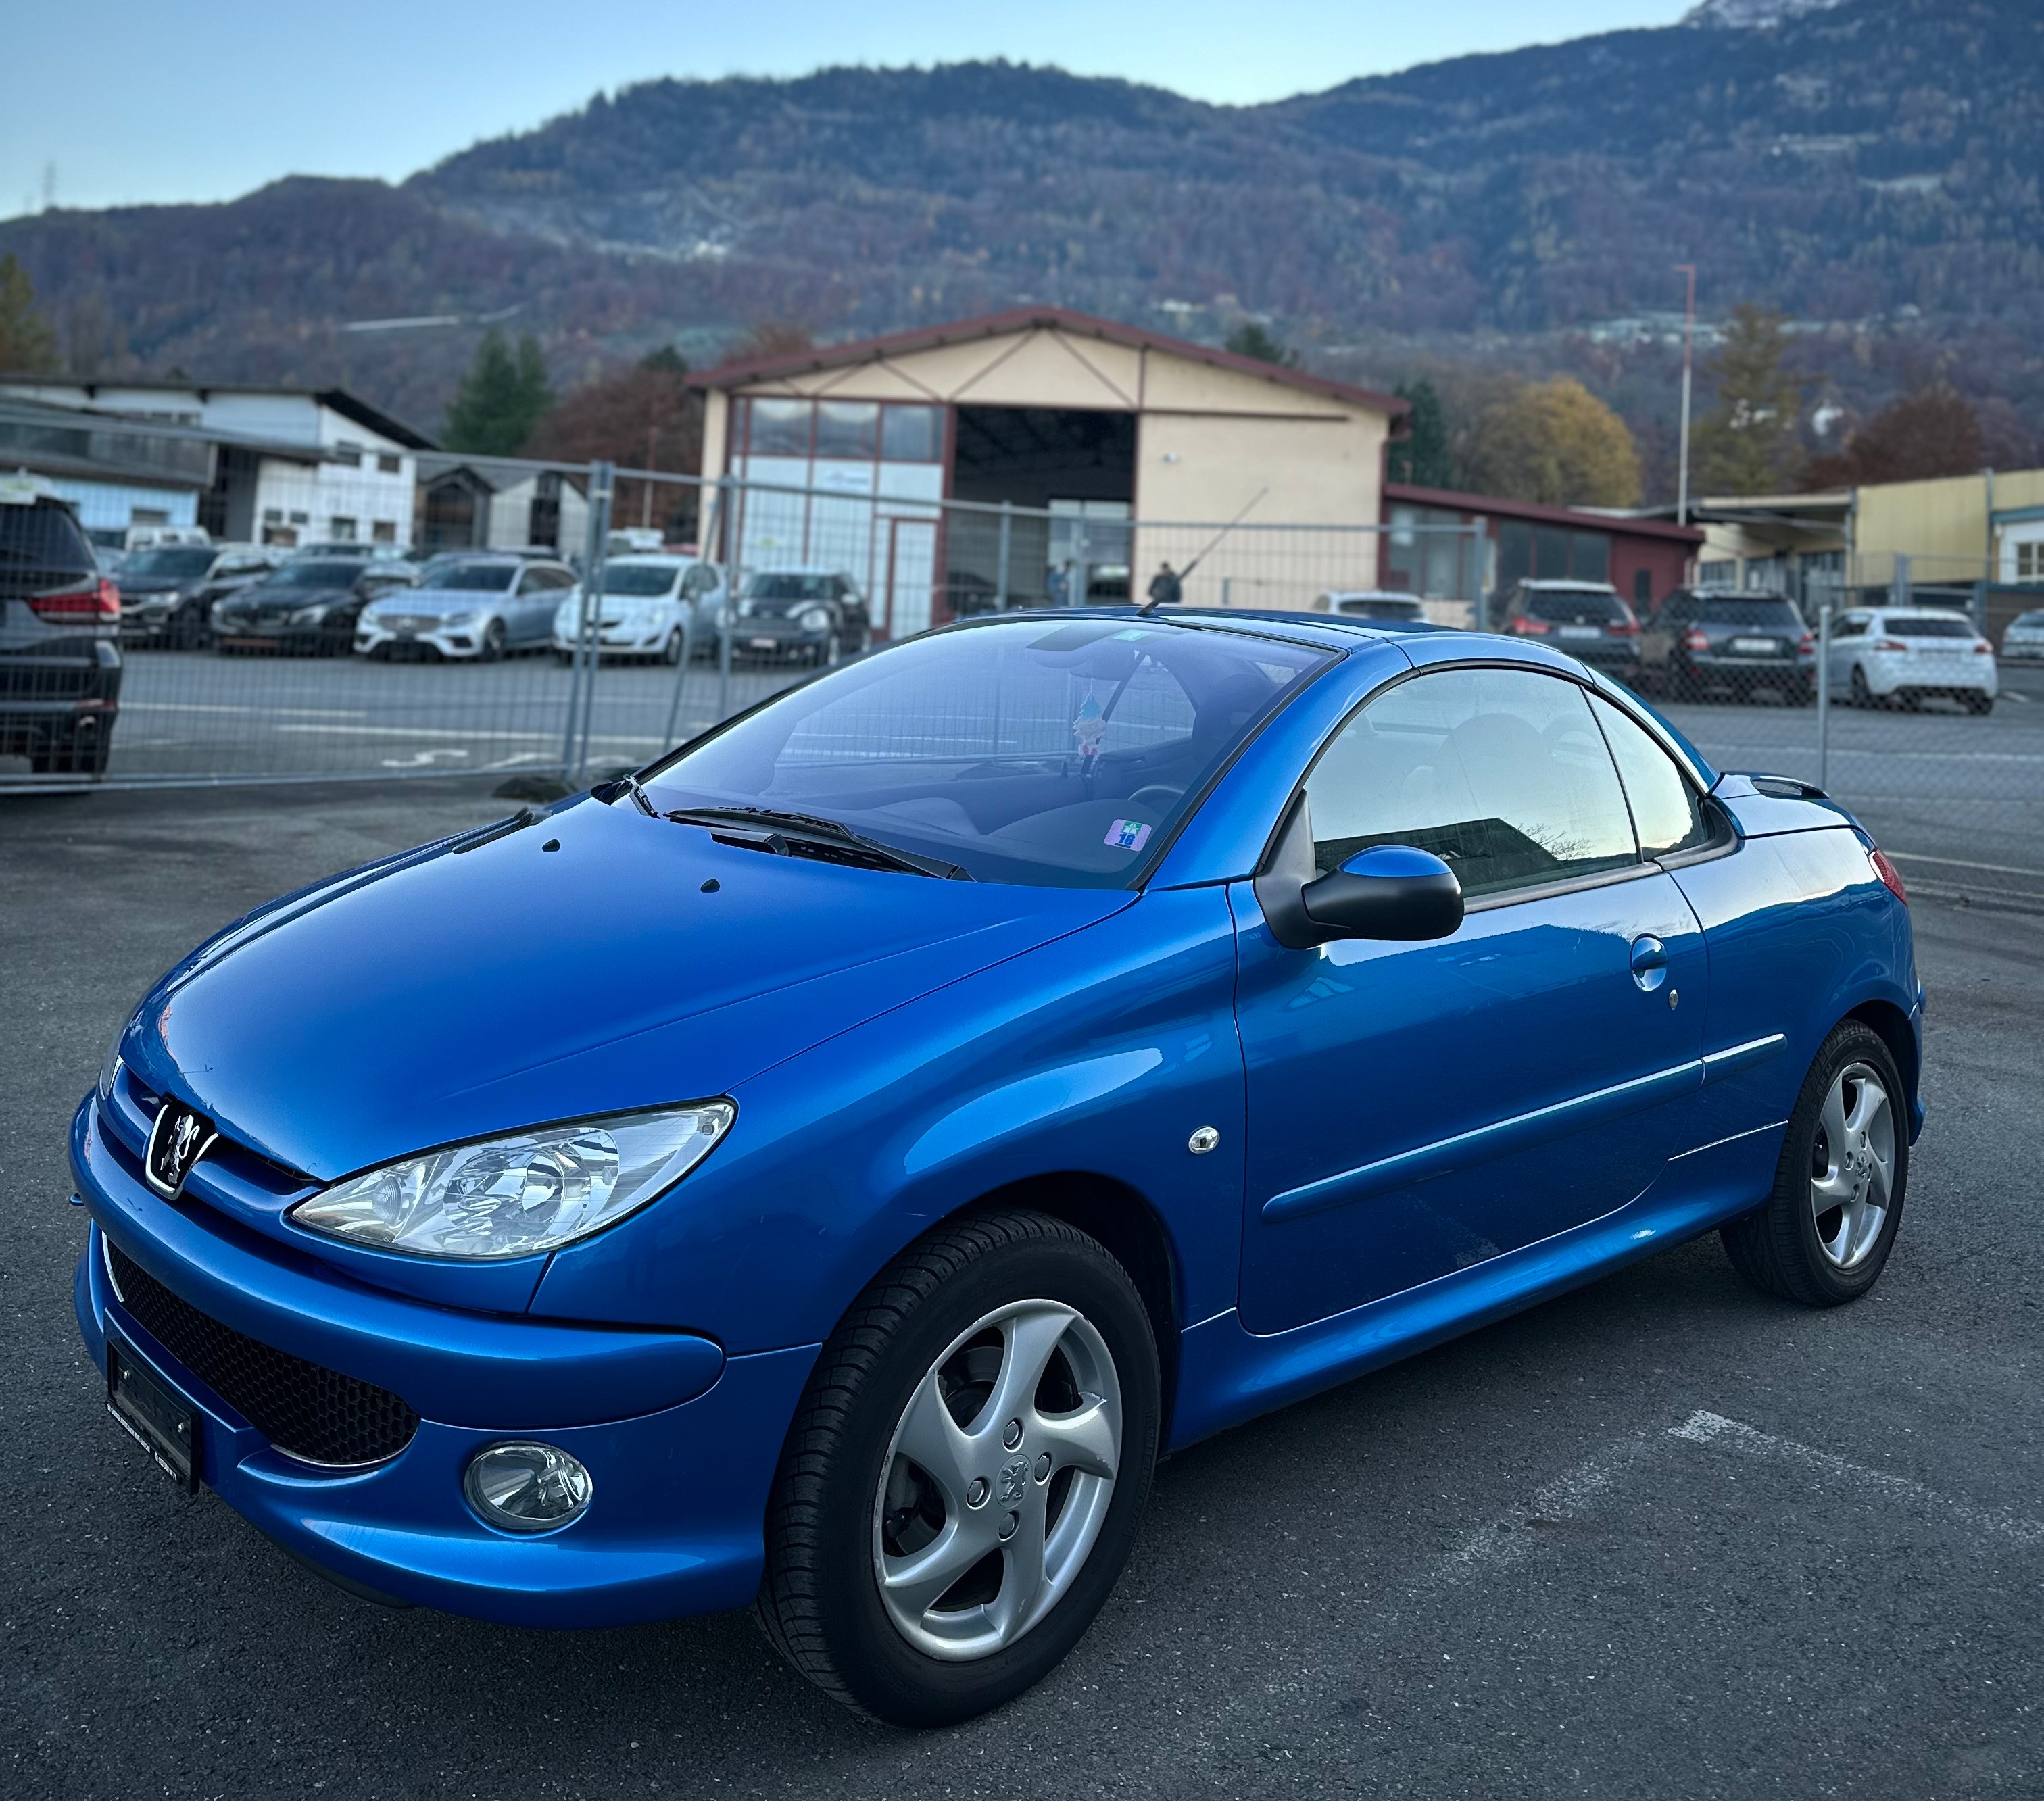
(1852, 1166)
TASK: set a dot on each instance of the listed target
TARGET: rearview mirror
(1390, 891)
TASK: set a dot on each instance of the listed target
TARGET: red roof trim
(1621, 525)
(1034, 318)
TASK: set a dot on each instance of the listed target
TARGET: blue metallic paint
(900, 1048)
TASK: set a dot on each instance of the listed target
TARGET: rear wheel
(1824, 1236)
(1863, 696)
(961, 1484)
(1979, 704)
(493, 641)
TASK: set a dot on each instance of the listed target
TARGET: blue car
(948, 1087)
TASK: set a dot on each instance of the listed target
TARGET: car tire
(1798, 1246)
(1980, 705)
(493, 641)
(1863, 696)
(670, 653)
(939, 1329)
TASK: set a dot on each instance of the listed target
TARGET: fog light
(522, 1487)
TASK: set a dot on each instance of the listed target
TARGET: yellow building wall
(1946, 519)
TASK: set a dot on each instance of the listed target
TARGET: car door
(536, 595)
(1661, 634)
(1848, 636)
(1416, 1109)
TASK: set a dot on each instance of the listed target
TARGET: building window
(384, 531)
(912, 434)
(349, 455)
(273, 515)
(847, 430)
(780, 428)
(299, 518)
(1643, 590)
(2030, 561)
(343, 528)
(1721, 574)
(386, 464)
(1589, 556)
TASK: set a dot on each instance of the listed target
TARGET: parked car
(825, 1170)
(1883, 656)
(484, 605)
(2023, 640)
(653, 607)
(808, 612)
(309, 606)
(59, 635)
(1588, 620)
(1728, 641)
(167, 593)
(1372, 603)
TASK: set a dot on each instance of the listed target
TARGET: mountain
(1876, 167)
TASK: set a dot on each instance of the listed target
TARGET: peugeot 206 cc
(825, 1171)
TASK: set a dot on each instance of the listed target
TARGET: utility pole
(1688, 364)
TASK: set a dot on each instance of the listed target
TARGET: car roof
(1372, 594)
(654, 559)
(1558, 584)
(1887, 607)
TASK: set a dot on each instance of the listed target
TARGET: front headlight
(459, 619)
(308, 616)
(524, 1192)
(814, 619)
(110, 1067)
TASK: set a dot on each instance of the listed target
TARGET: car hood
(574, 966)
(284, 599)
(157, 587)
(442, 600)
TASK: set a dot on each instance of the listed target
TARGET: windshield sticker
(1128, 835)
(1090, 727)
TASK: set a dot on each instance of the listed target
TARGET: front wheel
(493, 639)
(960, 1486)
(670, 653)
(1824, 1236)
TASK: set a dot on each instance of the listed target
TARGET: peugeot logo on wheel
(177, 1140)
(1014, 1482)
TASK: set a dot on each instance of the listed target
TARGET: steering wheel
(1159, 794)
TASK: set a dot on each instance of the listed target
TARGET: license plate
(765, 644)
(1581, 632)
(1754, 647)
(163, 1426)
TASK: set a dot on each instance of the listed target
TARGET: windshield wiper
(807, 827)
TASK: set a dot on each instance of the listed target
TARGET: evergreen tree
(501, 399)
(1249, 339)
(1750, 443)
(1422, 456)
(28, 343)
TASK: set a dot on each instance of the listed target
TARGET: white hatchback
(1901, 655)
(653, 606)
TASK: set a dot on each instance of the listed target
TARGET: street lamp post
(1688, 363)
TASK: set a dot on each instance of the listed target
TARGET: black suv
(59, 627)
(1731, 641)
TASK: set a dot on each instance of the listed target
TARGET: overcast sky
(133, 101)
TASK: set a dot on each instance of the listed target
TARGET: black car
(1730, 641)
(60, 629)
(309, 606)
(813, 613)
(167, 593)
(1587, 619)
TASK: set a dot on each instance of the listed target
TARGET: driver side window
(1502, 773)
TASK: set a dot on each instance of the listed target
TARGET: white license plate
(1754, 647)
(765, 644)
(1581, 632)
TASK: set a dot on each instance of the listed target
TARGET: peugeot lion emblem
(177, 1141)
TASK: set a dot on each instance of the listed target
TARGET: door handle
(1650, 963)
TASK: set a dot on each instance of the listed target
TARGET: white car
(652, 606)
(2023, 641)
(1373, 603)
(476, 608)
(1901, 655)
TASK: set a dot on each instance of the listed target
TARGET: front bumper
(452, 641)
(681, 1442)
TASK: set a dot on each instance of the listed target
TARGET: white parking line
(1957, 863)
(208, 707)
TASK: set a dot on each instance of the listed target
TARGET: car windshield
(634, 579)
(789, 588)
(1025, 750)
(1573, 606)
(1373, 607)
(1748, 609)
(1927, 625)
(315, 575)
(472, 578)
(179, 565)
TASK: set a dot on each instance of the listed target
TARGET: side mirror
(1390, 891)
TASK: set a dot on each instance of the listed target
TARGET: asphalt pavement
(1662, 1537)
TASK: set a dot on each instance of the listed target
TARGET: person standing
(1166, 590)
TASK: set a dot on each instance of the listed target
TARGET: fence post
(706, 531)
(574, 751)
(1824, 693)
(1007, 530)
(728, 622)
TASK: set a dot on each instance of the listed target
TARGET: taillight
(1806, 642)
(1891, 877)
(1624, 628)
(1889, 644)
(102, 601)
(1983, 649)
(1695, 640)
(1530, 627)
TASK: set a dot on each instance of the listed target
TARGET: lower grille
(316, 1414)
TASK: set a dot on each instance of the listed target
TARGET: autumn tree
(28, 344)
(1933, 433)
(1751, 442)
(1553, 442)
(1250, 339)
(640, 417)
(771, 337)
(1422, 457)
(501, 399)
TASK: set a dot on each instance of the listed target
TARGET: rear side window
(1502, 773)
(1573, 606)
(1928, 625)
(1746, 610)
(1666, 812)
(39, 540)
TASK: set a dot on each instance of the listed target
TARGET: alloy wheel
(1852, 1166)
(997, 1480)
